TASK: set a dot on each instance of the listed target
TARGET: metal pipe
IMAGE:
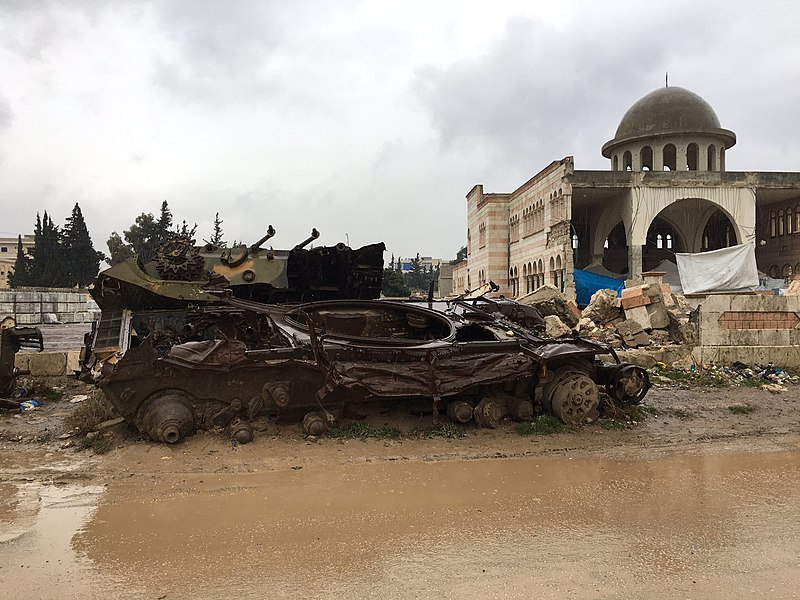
(314, 235)
(270, 233)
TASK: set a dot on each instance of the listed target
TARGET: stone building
(666, 191)
(8, 255)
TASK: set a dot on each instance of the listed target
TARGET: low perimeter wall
(750, 328)
(32, 306)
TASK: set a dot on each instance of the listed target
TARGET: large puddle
(699, 526)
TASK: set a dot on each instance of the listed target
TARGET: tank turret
(181, 273)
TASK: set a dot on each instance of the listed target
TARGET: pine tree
(21, 277)
(82, 261)
(47, 267)
(184, 231)
(164, 224)
(217, 238)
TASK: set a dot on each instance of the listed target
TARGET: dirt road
(699, 500)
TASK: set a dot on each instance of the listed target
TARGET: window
(772, 224)
(789, 221)
(3, 248)
(692, 152)
(670, 157)
(659, 241)
(647, 158)
(627, 162)
(781, 223)
(787, 271)
(712, 158)
(669, 241)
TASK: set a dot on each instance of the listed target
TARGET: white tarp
(727, 269)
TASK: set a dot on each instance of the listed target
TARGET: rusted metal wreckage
(12, 339)
(209, 348)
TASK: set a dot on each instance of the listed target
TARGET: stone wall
(33, 306)
(750, 328)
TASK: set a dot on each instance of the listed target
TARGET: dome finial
(666, 78)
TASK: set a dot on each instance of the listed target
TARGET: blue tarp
(587, 283)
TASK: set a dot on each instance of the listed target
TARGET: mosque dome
(669, 111)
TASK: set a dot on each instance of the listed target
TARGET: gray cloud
(6, 114)
(540, 93)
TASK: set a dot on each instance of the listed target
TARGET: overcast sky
(368, 120)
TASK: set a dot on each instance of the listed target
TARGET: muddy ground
(700, 497)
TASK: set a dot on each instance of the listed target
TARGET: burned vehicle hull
(233, 364)
(12, 339)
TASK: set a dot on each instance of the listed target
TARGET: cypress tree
(81, 260)
(21, 277)
(47, 267)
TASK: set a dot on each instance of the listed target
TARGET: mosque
(667, 191)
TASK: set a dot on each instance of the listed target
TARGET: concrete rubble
(648, 323)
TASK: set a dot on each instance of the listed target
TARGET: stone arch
(627, 161)
(669, 157)
(786, 271)
(692, 157)
(711, 155)
(646, 158)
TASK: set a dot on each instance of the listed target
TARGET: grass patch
(442, 430)
(98, 443)
(613, 424)
(543, 425)
(47, 393)
(618, 418)
(363, 431)
(742, 409)
(90, 413)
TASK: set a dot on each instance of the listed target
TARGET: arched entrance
(615, 250)
(663, 242)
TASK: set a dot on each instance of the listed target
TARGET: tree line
(60, 257)
(65, 257)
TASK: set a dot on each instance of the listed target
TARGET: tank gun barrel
(270, 233)
(314, 235)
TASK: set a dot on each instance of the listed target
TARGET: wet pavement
(699, 526)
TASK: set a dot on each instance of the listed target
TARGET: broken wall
(750, 328)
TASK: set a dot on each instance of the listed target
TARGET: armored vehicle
(229, 357)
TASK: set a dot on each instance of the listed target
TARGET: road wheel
(571, 396)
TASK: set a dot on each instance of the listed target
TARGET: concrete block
(21, 359)
(73, 361)
(28, 319)
(27, 308)
(68, 317)
(774, 337)
(7, 296)
(6, 308)
(744, 337)
(639, 314)
(27, 297)
(47, 364)
(632, 333)
(658, 315)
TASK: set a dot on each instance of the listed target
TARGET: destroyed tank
(225, 355)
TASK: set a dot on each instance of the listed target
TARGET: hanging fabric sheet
(725, 270)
